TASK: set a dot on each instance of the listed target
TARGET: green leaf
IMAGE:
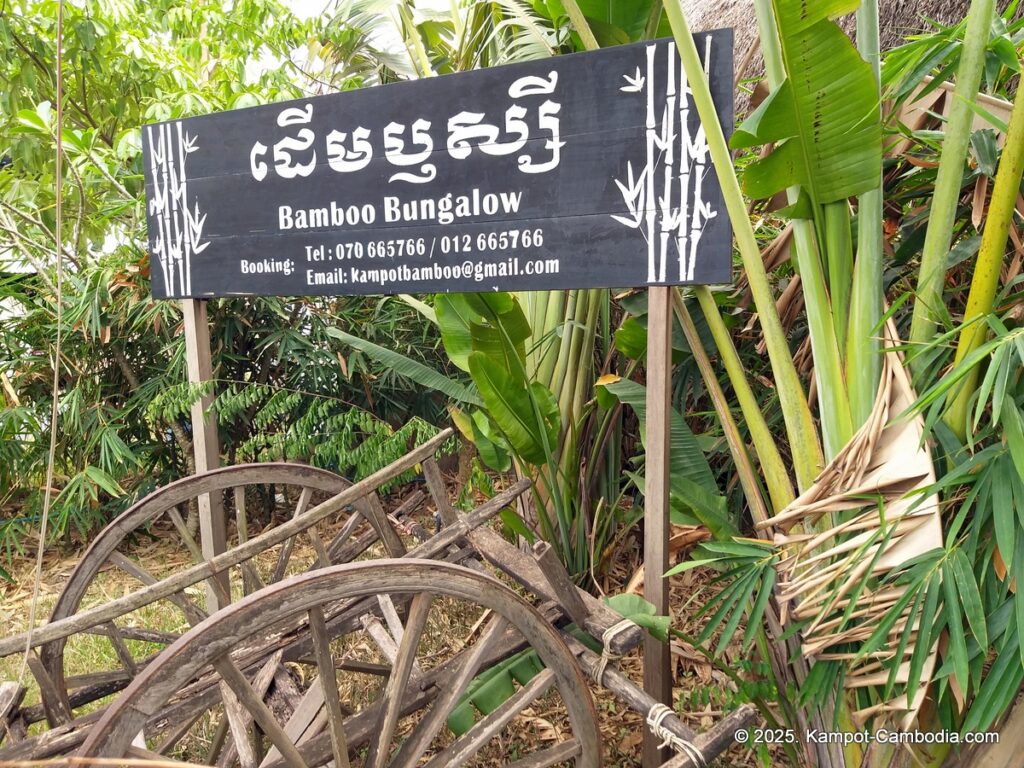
(925, 635)
(489, 444)
(641, 613)
(983, 147)
(756, 614)
(1003, 517)
(957, 641)
(1013, 424)
(454, 318)
(515, 524)
(411, 369)
(998, 689)
(104, 481)
(970, 595)
(513, 408)
(631, 339)
(686, 458)
(709, 508)
(826, 114)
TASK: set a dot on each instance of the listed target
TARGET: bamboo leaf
(999, 688)
(957, 643)
(925, 634)
(1003, 516)
(756, 614)
(411, 369)
(967, 588)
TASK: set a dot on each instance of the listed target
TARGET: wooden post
(657, 656)
(205, 443)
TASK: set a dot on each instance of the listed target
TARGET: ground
(703, 691)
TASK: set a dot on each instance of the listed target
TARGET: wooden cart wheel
(272, 492)
(376, 693)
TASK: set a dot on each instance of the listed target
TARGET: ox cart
(348, 634)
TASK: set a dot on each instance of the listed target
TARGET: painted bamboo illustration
(698, 153)
(179, 230)
(651, 138)
(667, 145)
(675, 154)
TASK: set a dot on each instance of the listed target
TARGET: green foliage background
(286, 388)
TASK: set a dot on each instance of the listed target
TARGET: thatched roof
(898, 19)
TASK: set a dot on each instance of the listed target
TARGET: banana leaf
(825, 117)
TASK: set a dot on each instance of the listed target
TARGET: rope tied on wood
(655, 722)
(607, 654)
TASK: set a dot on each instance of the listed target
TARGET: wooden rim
(151, 507)
(210, 643)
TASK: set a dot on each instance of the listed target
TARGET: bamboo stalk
(186, 244)
(942, 216)
(685, 168)
(833, 400)
(579, 21)
(154, 153)
(985, 282)
(780, 490)
(863, 348)
(744, 466)
(807, 456)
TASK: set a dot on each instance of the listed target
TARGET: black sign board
(589, 170)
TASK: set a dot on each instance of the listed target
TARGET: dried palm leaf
(873, 493)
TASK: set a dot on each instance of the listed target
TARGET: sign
(580, 171)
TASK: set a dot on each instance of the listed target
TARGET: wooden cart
(377, 644)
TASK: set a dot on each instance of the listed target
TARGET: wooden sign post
(657, 655)
(583, 171)
(205, 443)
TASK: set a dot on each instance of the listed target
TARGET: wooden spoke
(194, 549)
(374, 512)
(120, 649)
(251, 580)
(55, 705)
(418, 611)
(334, 548)
(380, 636)
(286, 550)
(559, 753)
(241, 721)
(193, 613)
(253, 702)
(438, 492)
(364, 667)
(329, 686)
(189, 540)
(241, 516)
(470, 742)
(133, 633)
(391, 618)
(428, 727)
(307, 716)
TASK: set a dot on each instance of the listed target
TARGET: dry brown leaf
(879, 470)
